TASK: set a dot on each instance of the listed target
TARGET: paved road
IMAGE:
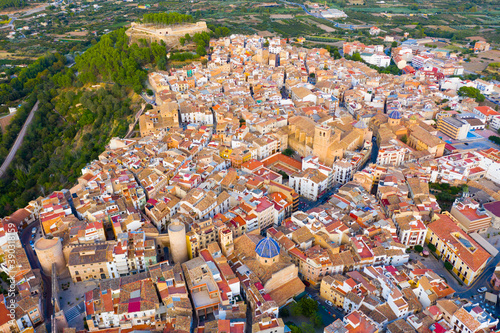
(333, 310)
(25, 238)
(305, 204)
(17, 143)
(10, 24)
(482, 281)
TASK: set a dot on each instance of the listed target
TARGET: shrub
(495, 139)
(288, 152)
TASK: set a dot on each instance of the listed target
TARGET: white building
(485, 113)
(194, 116)
(333, 13)
(420, 61)
(411, 231)
(486, 88)
(495, 123)
(342, 171)
(309, 183)
(391, 155)
(377, 59)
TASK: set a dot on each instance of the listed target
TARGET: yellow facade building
(453, 245)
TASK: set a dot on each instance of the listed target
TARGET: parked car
(329, 303)
(33, 231)
(482, 290)
(32, 243)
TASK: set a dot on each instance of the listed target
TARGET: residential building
(453, 245)
(470, 215)
(455, 128)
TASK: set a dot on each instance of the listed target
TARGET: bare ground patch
(282, 16)
(265, 33)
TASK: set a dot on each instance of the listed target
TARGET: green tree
(316, 320)
(472, 93)
(288, 152)
(200, 50)
(283, 174)
(356, 57)
(404, 139)
(308, 306)
(431, 247)
(12, 4)
(495, 139)
(296, 310)
(419, 248)
(167, 18)
(307, 328)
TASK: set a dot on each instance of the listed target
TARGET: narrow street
(333, 310)
(30, 253)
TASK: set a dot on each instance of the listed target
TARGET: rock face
(169, 34)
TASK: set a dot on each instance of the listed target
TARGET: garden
(306, 316)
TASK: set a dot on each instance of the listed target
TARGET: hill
(74, 121)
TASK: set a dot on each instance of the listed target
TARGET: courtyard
(71, 299)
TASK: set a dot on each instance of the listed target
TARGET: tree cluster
(69, 129)
(202, 39)
(308, 308)
(495, 139)
(18, 87)
(12, 3)
(29, 77)
(72, 125)
(183, 56)
(113, 60)
(472, 93)
(167, 18)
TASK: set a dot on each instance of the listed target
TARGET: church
(330, 141)
(272, 267)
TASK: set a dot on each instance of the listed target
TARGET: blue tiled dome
(267, 248)
(395, 115)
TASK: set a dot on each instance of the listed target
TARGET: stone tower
(226, 241)
(49, 251)
(178, 243)
(322, 140)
